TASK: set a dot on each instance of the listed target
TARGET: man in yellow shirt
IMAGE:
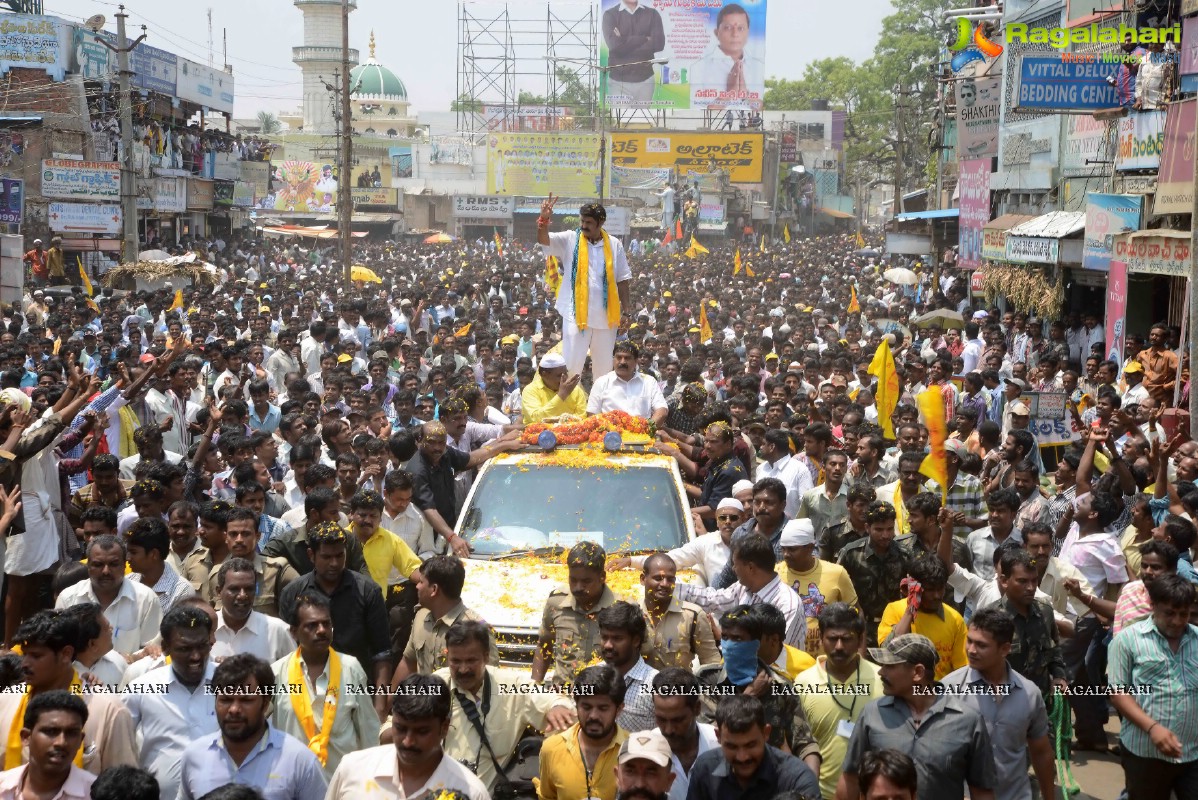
(382, 549)
(926, 613)
(837, 688)
(580, 762)
(551, 393)
(816, 581)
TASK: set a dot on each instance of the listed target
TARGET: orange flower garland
(591, 429)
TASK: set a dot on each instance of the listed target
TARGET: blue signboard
(154, 70)
(1068, 81)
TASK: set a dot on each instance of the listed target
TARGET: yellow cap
(344, 358)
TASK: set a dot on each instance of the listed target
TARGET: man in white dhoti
(593, 294)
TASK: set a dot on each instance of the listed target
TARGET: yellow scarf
(582, 274)
(14, 755)
(900, 511)
(301, 704)
(129, 424)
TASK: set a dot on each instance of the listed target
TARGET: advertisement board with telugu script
(535, 164)
(35, 43)
(741, 155)
(1175, 184)
(1035, 249)
(1155, 254)
(974, 183)
(81, 180)
(1139, 141)
(683, 54)
(482, 206)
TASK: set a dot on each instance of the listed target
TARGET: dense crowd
(230, 565)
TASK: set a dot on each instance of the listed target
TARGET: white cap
(552, 361)
(740, 486)
(797, 533)
(980, 315)
(649, 745)
(730, 502)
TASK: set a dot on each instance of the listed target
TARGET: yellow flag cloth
(736, 263)
(860, 241)
(901, 524)
(763, 242)
(698, 248)
(749, 271)
(582, 293)
(786, 233)
(178, 303)
(365, 275)
(498, 244)
(935, 465)
(86, 281)
(464, 330)
(887, 396)
(301, 704)
(854, 306)
(13, 752)
(704, 326)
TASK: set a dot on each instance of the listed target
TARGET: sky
(418, 40)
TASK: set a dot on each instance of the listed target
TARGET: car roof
(568, 457)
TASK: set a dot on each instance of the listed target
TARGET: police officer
(569, 636)
(678, 631)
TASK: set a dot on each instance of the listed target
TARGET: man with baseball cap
(643, 770)
(945, 737)
(553, 392)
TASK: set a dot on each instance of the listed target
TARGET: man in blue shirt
(247, 749)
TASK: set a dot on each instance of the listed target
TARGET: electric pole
(123, 47)
(345, 197)
(896, 207)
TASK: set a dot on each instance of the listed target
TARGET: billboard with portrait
(700, 54)
(535, 164)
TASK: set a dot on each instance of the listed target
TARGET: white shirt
(414, 530)
(134, 615)
(37, 549)
(978, 592)
(793, 474)
(707, 741)
(373, 774)
(562, 245)
(775, 593)
(706, 554)
(128, 466)
(639, 397)
(108, 669)
(268, 638)
(711, 74)
(168, 717)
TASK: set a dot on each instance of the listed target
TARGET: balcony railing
(314, 53)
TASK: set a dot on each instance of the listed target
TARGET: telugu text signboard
(482, 206)
(1175, 185)
(738, 154)
(697, 54)
(35, 43)
(1139, 142)
(1037, 249)
(1052, 83)
(81, 180)
(535, 164)
(1155, 254)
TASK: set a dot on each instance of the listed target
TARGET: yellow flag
(704, 326)
(763, 242)
(887, 395)
(935, 464)
(860, 241)
(786, 233)
(695, 249)
(363, 275)
(463, 331)
(854, 306)
(749, 271)
(86, 281)
(553, 275)
(736, 263)
(498, 244)
(178, 303)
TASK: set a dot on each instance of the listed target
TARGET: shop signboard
(84, 217)
(482, 206)
(1037, 249)
(1107, 216)
(81, 180)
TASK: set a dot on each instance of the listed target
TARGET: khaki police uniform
(681, 634)
(574, 633)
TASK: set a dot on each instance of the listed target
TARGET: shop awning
(1053, 225)
(836, 214)
(940, 213)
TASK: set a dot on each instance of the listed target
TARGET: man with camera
(491, 708)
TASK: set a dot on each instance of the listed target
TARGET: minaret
(320, 60)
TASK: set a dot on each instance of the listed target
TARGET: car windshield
(517, 508)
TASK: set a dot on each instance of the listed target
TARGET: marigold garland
(593, 429)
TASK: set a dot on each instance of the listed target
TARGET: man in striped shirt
(1159, 732)
(757, 582)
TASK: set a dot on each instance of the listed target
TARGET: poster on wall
(35, 43)
(979, 101)
(304, 186)
(699, 54)
(535, 164)
(974, 183)
(1107, 216)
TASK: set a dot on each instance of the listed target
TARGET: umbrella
(885, 322)
(867, 251)
(440, 238)
(153, 255)
(901, 276)
(941, 318)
